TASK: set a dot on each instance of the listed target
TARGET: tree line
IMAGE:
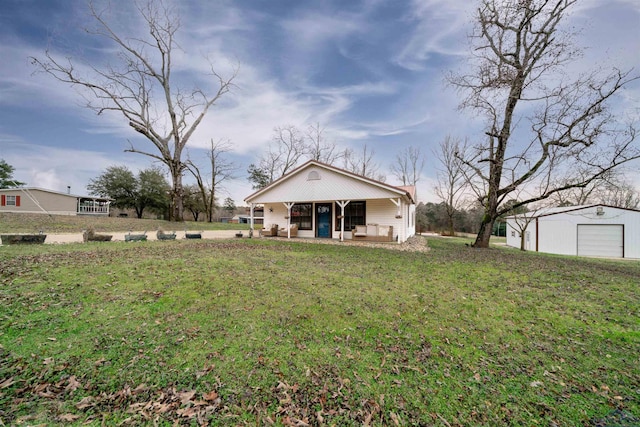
(149, 191)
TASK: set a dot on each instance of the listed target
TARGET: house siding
(383, 212)
(55, 204)
(557, 235)
(513, 235)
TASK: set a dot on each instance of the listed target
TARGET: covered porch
(379, 220)
(93, 206)
(324, 202)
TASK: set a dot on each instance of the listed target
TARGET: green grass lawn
(260, 332)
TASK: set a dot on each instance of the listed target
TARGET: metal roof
(27, 189)
(564, 209)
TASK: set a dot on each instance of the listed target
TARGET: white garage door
(600, 240)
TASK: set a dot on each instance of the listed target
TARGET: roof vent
(599, 211)
(313, 176)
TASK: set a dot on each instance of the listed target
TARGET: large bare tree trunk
(486, 226)
(452, 231)
(176, 213)
(484, 234)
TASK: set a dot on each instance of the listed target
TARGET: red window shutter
(17, 201)
(3, 200)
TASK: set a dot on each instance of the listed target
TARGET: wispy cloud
(439, 27)
(56, 168)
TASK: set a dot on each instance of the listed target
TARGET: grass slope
(269, 332)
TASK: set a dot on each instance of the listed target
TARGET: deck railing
(93, 209)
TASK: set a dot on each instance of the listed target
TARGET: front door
(323, 220)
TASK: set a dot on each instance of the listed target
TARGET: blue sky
(369, 71)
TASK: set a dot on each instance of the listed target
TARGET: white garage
(591, 230)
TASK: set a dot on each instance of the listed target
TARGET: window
(354, 214)
(301, 214)
(6, 200)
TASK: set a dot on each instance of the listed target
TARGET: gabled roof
(316, 181)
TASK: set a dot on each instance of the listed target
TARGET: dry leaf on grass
(68, 417)
(212, 395)
(7, 383)
(72, 385)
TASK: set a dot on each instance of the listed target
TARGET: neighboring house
(39, 200)
(327, 202)
(592, 230)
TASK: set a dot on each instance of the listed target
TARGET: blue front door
(323, 220)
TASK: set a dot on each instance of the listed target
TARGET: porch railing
(93, 209)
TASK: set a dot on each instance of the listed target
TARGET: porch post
(289, 206)
(342, 205)
(251, 220)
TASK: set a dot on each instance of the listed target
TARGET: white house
(40, 200)
(324, 201)
(592, 230)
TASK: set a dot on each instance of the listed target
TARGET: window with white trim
(354, 214)
(301, 214)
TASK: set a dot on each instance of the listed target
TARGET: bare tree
(221, 170)
(408, 166)
(578, 195)
(451, 179)
(286, 149)
(363, 163)
(318, 148)
(521, 221)
(140, 87)
(517, 78)
(622, 194)
(596, 191)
